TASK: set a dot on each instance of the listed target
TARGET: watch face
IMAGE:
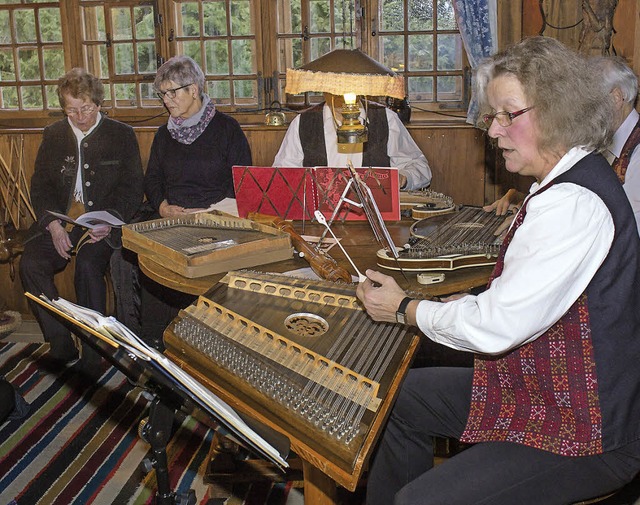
(400, 317)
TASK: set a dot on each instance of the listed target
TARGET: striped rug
(79, 444)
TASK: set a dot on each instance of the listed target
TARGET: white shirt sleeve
(290, 153)
(405, 154)
(632, 184)
(552, 257)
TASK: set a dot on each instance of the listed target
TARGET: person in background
(86, 162)
(311, 140)
(551, 406)
(189, 170)
(191, 156)
(622, 153)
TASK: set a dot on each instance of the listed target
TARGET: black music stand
(169, 394)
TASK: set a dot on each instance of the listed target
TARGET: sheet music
(114, 330)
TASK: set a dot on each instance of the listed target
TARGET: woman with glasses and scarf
(551, 408)
(192, 155)
(189, 169)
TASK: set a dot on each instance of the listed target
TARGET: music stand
(170, 387)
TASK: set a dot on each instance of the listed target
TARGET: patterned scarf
(186, 131)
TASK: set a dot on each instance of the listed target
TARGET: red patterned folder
(296, 192)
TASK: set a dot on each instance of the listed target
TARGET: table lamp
(349, 73)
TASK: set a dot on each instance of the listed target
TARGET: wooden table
(358, 240)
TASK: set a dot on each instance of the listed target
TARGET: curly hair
(572, 106)
(78, 83)
(183, 71)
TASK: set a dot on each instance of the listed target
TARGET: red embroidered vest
(620, 164)
(544, 393)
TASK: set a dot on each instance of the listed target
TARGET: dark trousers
(435, 402)
(40, 262)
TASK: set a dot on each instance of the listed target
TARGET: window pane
(449, 88)
(50, 26)
(217, 57)
(96, 62)
(420, 15)
(190, 25)
(344, 14)
(53, 101)
(392, 50)
(420, 89)
(121, 19)
(319, 47)
(192, 49)
(219, 91)
(289, 16)
(28, 64)
(93, 24)
(5, 35)
(290, 51)
(148, 94)
(245, 91)
(449, 52)
(25, 25)
(7, 68)
(243, 52)
(420, 52)
(319, 16)
(53, 63)
(123, 55)
(392, 16)
(125, 94)
(214, 18)
(31, 97)
(241, 19)
(147, 57)
(144, 22)
(8, 97)
(446, 15)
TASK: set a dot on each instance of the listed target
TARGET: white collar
(622, 133)
(79, 133)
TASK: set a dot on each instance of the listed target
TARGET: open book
(112, 331)
(91, 219)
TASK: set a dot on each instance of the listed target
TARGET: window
(243, 46)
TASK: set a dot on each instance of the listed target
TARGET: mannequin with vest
(622, 153)
(311, 141)
(551, 406)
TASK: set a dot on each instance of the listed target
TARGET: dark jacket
(111, 171)
(199, 174)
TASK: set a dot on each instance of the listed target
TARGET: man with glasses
(86, 162)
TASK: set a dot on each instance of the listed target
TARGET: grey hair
(183, 71)
(571, 107)
(616, 74)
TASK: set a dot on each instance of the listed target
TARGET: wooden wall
(458, 172)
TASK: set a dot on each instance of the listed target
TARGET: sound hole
(306, 325)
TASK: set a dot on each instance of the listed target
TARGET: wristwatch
(401, 313)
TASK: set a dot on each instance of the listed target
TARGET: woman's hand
(509, 202)
(167, 210)
(61, 240)
(380, 295)
(99, 232)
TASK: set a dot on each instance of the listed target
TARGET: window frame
(268, 77)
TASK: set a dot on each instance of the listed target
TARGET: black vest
(315, 150)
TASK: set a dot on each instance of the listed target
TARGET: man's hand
(61, 240)
(382, 298)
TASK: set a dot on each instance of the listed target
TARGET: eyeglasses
(504, 118)
(85, 110)
(171, 93)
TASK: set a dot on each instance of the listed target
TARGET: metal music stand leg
(157, 431)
